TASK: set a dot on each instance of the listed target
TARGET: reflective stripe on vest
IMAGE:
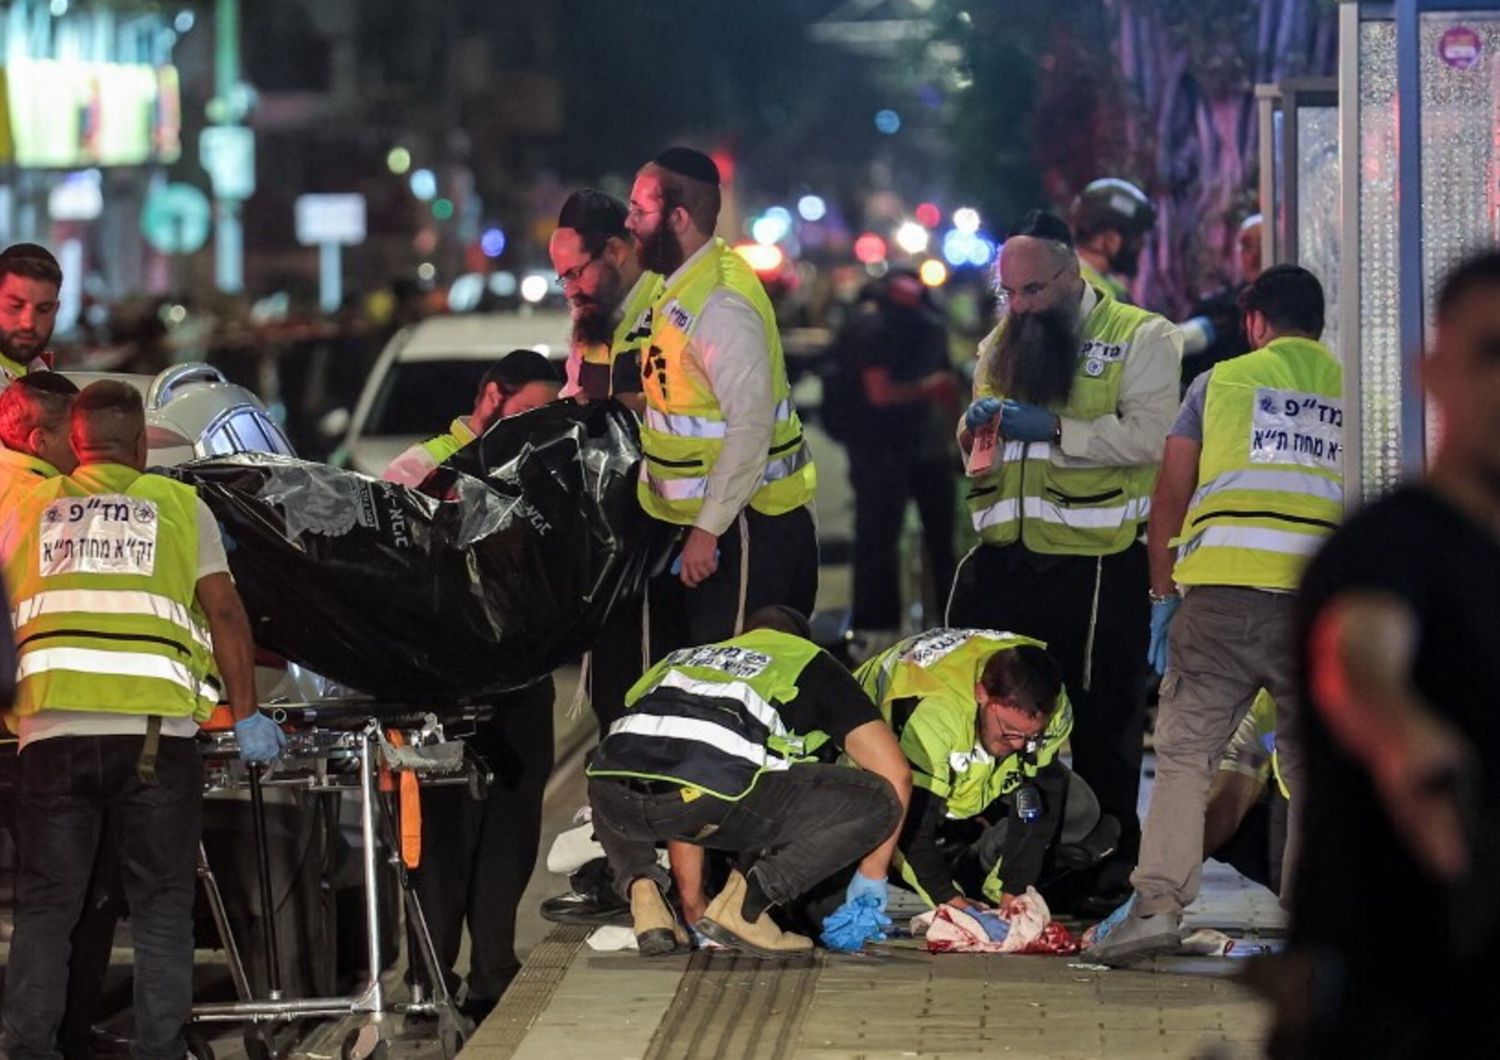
(102, 567)
(1065, 509)
(707, 717)
(684, 428)
(1271, 468)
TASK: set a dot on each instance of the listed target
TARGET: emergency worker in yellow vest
(521, 380)
(30, 279)
(1251, 486)
(719, 748)
(608, 295)
(1110, 220)
(981, 716)
(725, 457)
(34, 433)
(1084, 389)
(125, 619)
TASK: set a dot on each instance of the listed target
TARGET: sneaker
(724, 922)
(1138, 938)
(657, 931)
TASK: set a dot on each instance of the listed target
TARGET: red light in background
(725, 161)
(869, 248)
(928, 215)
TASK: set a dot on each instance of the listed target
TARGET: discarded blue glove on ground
(854, 923)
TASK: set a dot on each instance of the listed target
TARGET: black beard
(1038, 357)
(661, 251)
(594, 326)
(19, 351)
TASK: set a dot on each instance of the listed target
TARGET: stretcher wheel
(257, 1046)
(365, 1043)
(199, 1049)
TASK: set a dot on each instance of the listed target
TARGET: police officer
(725, 457)
(30, 280)
(1250, 487)
(117, 580)
(521, 380)
(1084, 387)
(718, 749)
(608, 295)
(1110, 220)
(981, 717)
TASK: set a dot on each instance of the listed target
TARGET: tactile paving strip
(528, 994)
(732, 1007)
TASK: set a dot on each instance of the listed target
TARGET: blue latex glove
(1020, 422)
(981, 412)
(860, 885)
(260, 739)
(995, 926)
(1161, 618)
(854, 923)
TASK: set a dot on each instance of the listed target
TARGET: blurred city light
(398, 161)
(59, 8)
(983, 252)
(492, 242)
(966, 219)
(869, 248)
(465, 293)
(426, 271)
(888, 122)
(534, 287)
(911, 237)
(767, 230)
(424, 184)
(933, 272)
(812, 208)
(503, 284)
(958, 245)
(184, 21)
(761, 257)
(442, 209)
(929, 215)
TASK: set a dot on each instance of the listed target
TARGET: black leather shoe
(591, 909)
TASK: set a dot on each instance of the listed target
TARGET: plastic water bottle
(1028, 804)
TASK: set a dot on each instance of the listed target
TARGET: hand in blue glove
(1020, 422)
(1161, 619)
(853, 924)
(981, 412)
(880, 890)
(260, 739)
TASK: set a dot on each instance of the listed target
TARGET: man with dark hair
(981, 717)
(1250, 487)
(719, 748)
(30, 280)
(34, 433)
(1084, 388)
(608, 295)
(521, 380)
(126, 617)
(1110, 220)
(1399, 617)
(725, 457)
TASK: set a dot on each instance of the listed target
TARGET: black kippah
(1039, 224)
(591, 212)
(686, 162)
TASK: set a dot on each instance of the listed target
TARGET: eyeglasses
(635, 213)
(1010, 735)
(1030, 290)
(575, 274)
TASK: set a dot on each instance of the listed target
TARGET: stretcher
(335, 747)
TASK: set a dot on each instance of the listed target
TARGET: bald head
(34, 418)
(109, 425)
(1038, 273)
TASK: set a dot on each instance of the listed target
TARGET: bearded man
(609, 296)
(30, 280)
(1085, 390)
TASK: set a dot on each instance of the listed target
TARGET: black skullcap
(591, 212)
(48, 383)
(686, 162)
(29, 252)
(1039, 224)
(519, 367)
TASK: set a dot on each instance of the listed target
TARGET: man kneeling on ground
(715, 749)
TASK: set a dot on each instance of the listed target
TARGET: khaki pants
(1225, 644)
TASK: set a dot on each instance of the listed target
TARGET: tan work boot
(656, 929)
(724, 922)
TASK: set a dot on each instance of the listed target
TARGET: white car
(428, 374)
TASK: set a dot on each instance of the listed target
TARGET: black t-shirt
(1357, 889)
(910, 345)
(829, 700)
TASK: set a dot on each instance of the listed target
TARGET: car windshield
(420, 397)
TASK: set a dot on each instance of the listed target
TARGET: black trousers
(1094, 616)
(794, 828)
(617, 660)
(477, 856)
(778, 566)
(884, 480)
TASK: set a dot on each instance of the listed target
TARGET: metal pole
(1409, 233)
(229, 252)
(267, 895)
(368, 795)
(1350, 317)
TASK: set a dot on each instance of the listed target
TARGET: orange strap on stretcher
(409, 806)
